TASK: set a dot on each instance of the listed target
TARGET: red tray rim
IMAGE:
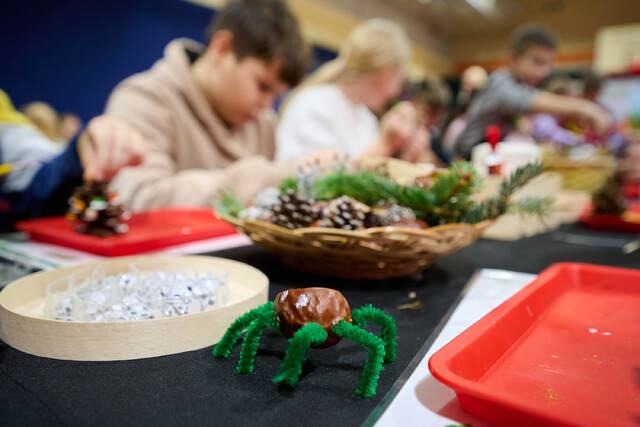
(110, 248)
(609, 222)
(438, 361)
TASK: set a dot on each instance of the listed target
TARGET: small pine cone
(292, 211)
(267, 197)
(345, 213)
(255, 213)
(610, 200)
(395, 213)
(372, 219)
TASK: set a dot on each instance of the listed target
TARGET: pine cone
(610, 200)
(394, 213)
(99, 212)
(292, 211)
(345, 213)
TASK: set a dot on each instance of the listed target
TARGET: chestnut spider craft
(313, 317)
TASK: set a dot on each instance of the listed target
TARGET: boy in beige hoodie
(207, 110)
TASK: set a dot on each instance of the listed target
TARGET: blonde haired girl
(334, 108)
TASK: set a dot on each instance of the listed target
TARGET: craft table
(193, 388)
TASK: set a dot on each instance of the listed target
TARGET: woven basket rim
(368, 232)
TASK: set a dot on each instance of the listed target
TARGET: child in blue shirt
(37, 176)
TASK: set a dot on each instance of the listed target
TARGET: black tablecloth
(195, 389)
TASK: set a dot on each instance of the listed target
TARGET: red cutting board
(564, 351)
(147, 231)
(629, 221)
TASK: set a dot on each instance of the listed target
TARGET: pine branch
(532, 205)
(459, 180)
(495, 206)
(448, 200)
(447, 197)
(520, 177)
(228, 204)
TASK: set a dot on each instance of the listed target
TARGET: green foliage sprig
(497, 205)
(228, 204)
(448, 200)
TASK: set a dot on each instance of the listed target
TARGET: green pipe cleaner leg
(266, 319)
(363, 314)
(224, 346)
(369, 379)
(291, 368)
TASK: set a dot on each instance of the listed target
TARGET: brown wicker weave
(587, 175)
(374, 253)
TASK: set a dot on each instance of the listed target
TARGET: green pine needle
(444, 201)
(447, 201)
(228, 204)
(532, 205)
(495, 206)
(290, 183)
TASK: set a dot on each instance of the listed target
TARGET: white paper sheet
(422, 400)
(46, 256)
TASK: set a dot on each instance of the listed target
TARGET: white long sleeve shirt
(322, 117)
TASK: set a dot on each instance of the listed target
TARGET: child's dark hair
(558, 85)
(265, 29)
(432, 93)
(530, 36)
(592, 83)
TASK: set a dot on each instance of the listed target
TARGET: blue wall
(71, 53)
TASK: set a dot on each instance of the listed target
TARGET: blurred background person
(60, 128)
(68, 127)
(335, 107)
(472, 81)
(548, 127)
(616, 141)
(37, 175)
(44, 117)
(432, 99)
(513, 91)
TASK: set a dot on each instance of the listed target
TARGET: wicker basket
(587, 175)
(374, 253)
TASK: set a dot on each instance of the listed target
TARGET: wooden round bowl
(374, 253)
(23, 326)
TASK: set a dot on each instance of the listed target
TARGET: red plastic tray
(630, 221)
(563, 351)
(147, 231)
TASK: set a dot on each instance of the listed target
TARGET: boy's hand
(630, 164)
(415, 150)
(325, 157)
(107, 145)
(599, 118)
(397, 127)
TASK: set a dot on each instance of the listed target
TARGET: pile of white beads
(138, 295)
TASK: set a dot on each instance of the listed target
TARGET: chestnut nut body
(297, 307)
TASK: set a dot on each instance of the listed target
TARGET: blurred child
(511, 92)
(69, 126)
(615, 140)
(335, 107)
(630, 163)
(207, 110)
(547, 127)
(472, 81)
(44, 117)
(432, 100)
(37, 176)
